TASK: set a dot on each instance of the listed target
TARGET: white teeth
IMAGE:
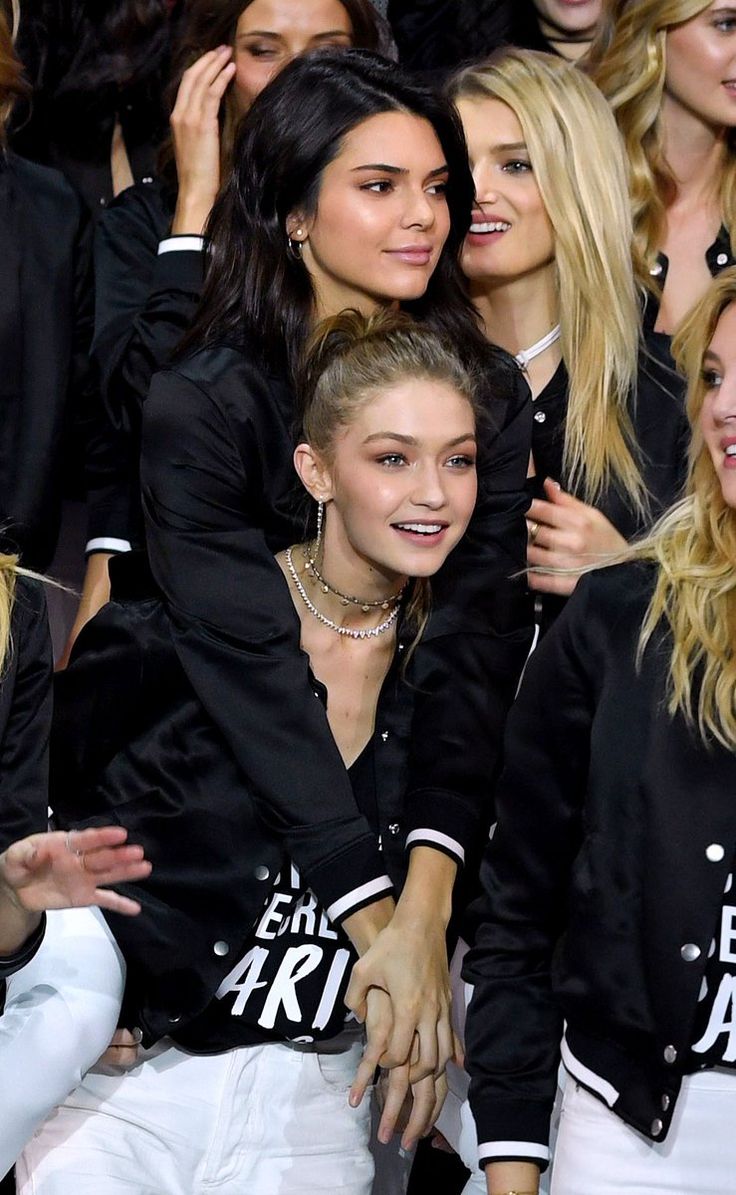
(421, 528)
(731, 450)
(497, 226)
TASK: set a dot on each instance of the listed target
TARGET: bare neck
(695, 153)
(518, 312)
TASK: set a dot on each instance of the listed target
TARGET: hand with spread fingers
(566, 534)
(59, 870)
(195, 129)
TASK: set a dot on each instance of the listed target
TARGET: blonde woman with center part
(548, 260)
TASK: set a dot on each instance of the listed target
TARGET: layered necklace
(345, 598)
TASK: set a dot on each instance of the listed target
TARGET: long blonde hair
(12, 82)
(8, 573)
(694, 545)
(628, 63)
(579, 166)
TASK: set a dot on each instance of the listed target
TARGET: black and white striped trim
(513, 1151)
(107, 543)
(181, 244)
(359, 898)
(436, 838)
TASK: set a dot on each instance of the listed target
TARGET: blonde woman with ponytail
(548, 259)
(387, 456)
(668, 69)
(614, 852)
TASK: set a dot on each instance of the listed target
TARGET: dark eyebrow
(383, 166)
(507, 146)
(411, 441)
(709, 355)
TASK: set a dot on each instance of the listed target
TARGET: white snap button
(261, 872)
(221, 949)
(670, 1055)
(714, 853)
(540, 417)
(656, 1127)
(656, 270)
(666, 1103)
(690, 952)
(722, 259)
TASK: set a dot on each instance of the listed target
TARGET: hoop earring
(320, 526)
(295, 248)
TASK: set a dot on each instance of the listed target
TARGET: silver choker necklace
(526, 356)
(351, 632)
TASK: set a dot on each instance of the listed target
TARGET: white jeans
(263, 1120)
(61, 1011)
(597, 1154)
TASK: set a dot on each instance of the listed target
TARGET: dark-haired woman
(98, 73)
(350, 188)
(149, 247)
(261, 1047)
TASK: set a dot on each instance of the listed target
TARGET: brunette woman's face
(381, 217)
(511, 235)
(701, 65)
(270, 33)
(718, 413)
(402, 479)
(570, 18)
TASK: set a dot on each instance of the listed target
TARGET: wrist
(364, 926)
(16, 922)
(192, 213)
(426, 898)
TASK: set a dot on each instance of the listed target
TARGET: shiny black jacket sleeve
(237, 634)
(468, 664)
(514, 1024)
(25, 718)
(144, 303)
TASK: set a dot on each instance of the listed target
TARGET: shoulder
(41, 185)
(224, 374)
(29, 604)
(613, 599)
(144, 210)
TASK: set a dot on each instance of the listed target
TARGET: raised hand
(60, 870)
(565, 533)
(196, 133)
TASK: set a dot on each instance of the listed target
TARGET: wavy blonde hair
(694, 545)
(628, 63)
(578, 162)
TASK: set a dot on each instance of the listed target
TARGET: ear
(314, 473)
(297, 227)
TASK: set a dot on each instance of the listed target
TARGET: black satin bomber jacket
(194, 723)
(602, 884)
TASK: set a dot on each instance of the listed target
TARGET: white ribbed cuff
(490, 1150)
(181, 244)
(105, 543)
(359, 897)
(436, 838)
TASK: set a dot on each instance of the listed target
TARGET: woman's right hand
(196, 133)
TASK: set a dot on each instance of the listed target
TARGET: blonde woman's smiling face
(718, 412)
(511, 235)
(700, 74)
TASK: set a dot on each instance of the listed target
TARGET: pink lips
(412, 255)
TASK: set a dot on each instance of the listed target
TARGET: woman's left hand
(565, 533)
(61, 870)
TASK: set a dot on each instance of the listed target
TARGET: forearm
(519, 1177)
(426, 898)
(364, 926)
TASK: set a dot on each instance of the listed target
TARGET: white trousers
(264, 1120)
(597, 1154)
(61, 1011)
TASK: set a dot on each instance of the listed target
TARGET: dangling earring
(295, 248)
(320, 525)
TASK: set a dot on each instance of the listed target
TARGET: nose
(485, 191)
(723, 401)
(419, 212)
(429, 490)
